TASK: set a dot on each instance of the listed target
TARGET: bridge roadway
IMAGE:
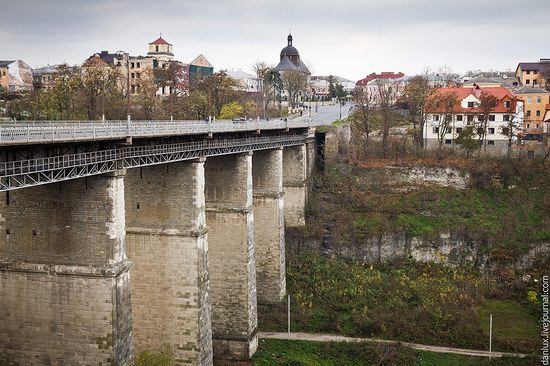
(23, 173)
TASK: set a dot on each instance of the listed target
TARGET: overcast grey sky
(349, 38)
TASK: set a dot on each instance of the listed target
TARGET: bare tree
(386, 97)
(442, 106)
(294, 83)
(261, 69)
(364, 101)
(487, 104)
(416, 95)
(514, 125)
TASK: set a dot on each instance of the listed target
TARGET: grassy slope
(302, 353)
(422, 303)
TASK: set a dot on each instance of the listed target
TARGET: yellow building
(536, 74)
(535, 101)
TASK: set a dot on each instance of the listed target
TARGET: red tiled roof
(500, 94)
(160, 40)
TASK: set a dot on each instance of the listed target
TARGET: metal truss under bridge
(34, 172)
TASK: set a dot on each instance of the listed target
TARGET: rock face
(454, 246)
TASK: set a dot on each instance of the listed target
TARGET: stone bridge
(120, 237)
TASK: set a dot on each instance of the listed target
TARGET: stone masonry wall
(232, 265)
(295, 184)
(269, 224)
(167, 241)
(64, 275)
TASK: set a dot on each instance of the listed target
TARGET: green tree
(467, 140)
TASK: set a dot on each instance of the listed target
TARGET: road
(422, 347)
(327, 113)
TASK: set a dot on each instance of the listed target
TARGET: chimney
(477, 91)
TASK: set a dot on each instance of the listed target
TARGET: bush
(163, 357)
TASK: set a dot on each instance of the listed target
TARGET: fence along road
(39, 132)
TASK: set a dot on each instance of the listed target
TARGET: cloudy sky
(349, 38)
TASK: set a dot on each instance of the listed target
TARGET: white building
(466, 112)
(246, 82)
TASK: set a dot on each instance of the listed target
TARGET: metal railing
(66, 131)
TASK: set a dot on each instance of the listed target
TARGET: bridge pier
(64, 274)
(269, 233)
(295, 184)
(232, 265)
(167, 240)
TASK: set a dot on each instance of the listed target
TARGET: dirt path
(422, 347)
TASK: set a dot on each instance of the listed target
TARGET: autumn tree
(231, 110)
(219, 89)
(416, 95)
(100, 92)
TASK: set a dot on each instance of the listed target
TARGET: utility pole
(490, 336)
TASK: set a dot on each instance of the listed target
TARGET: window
(528, 113)
(156, 48)
(527, 81)
(448, 142)
(507, 103)
(480, 131)
(506, 118)
(528, 72)
(435, 129)
(490, 142)
(436, 117)
(470, 104)
(458, 130)
(138, 75)
(132, 65)
(539, 100)
(505, 131)
(529, 100)
(138, 65)
(459, 117)
(534, 81)
(133, 76)
(470, 118)
(538, 113)
(448, 130)
(491, 131)
(480, 117)
(491, 117)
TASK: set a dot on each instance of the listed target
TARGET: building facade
(15, 76)
(535, 74)
(535, 101)
(444, 123)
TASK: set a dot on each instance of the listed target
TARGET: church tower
(160, 49)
